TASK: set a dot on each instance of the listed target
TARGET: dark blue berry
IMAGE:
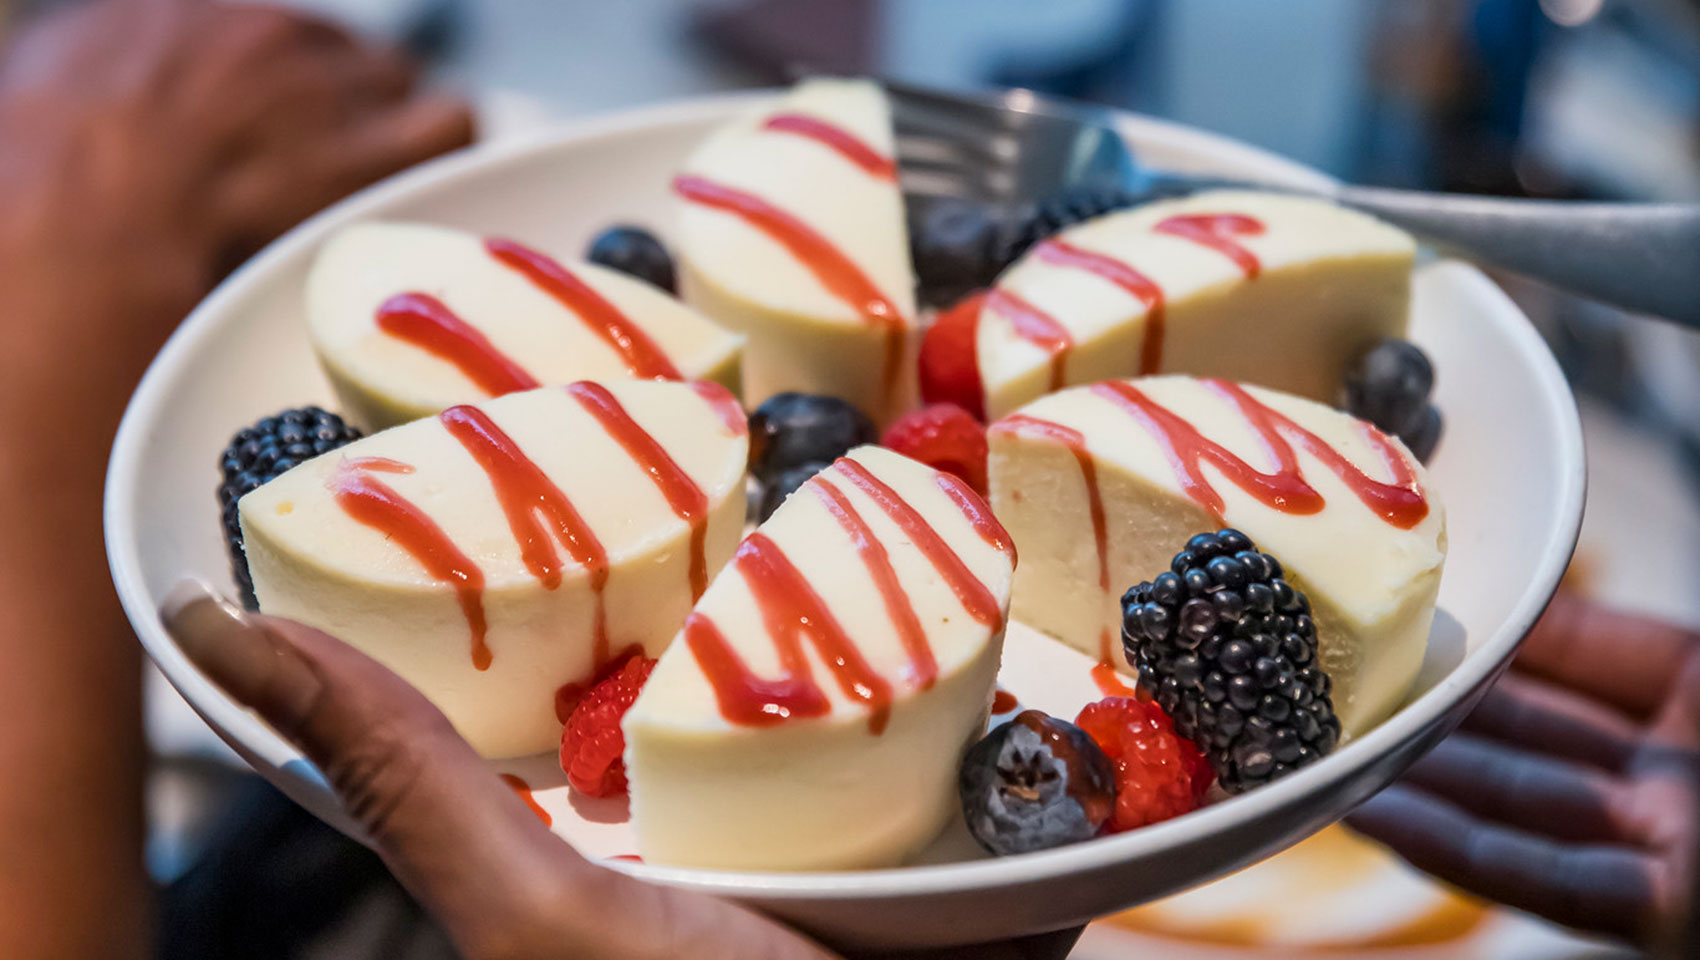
(791, 429)
(1389, 385)
(953, 244)
(636, 252)
(1033, 783)
(775, 493)
(1424, 435)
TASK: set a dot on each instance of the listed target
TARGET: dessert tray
(817, 794)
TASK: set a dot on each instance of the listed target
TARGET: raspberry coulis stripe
(427, 323)
(1217, 231)
(683, 495)
(641, 356)
(790, 608)
(843, 142)
(1036, 327)
(923, 667)
(1141, 287)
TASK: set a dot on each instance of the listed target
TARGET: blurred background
(1553, 98)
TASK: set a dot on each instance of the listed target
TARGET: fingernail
(239, 653)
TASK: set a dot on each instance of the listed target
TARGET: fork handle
(1643, 257)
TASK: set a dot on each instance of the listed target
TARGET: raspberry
(945, 437)
(1158, 774)
(950, 370)
(592, 745)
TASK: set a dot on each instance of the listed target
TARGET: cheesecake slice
(791, 231)
(812, 712)
(1280, 291)
(1101, 485)
(497, 552)
(408, 319)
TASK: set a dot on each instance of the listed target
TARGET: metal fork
(1017, 147)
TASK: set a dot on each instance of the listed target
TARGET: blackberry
(1059, 211)
(264, 451)
(1227, 647)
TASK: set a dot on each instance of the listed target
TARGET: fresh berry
(775, 493)
(634, 251)
(1228, 649)
(1035, 782)
(1425, 436)
(953, 242)
(945, 437)
(592, 745)
(264, 451)
(791, 429)
(1159, 774)
(949, 365)
(1061, 210)
(1389, 385)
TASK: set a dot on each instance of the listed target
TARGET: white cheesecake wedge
(497, 552)
(408, 319)
(790, 230)
(1280, 291)
(1101, 485)
(812, 713)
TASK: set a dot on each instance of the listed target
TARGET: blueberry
(1422, 437)
(951, 242)
(1389, 385)
(791, 429)
(775, 493)
(634, 251)
(1033, 783)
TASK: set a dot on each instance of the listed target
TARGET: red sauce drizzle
(375, 465)
(427, 323)
(1036, 327)
(923, 668)
(1110, 682)
(372, 502)
(978, 513)
(724, 404)
(683, 495)
(627, 857)
(835, 271)
(790, 608)
(1003, 701)
(1400, 503)
(1140, 286)
(845, 143)
(1217, 231)
(1076, 444)
(970, 591)
(524, 492)
(523, 790)
(639, 353)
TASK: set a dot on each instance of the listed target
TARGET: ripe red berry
(1158, 774)
(950, 369)
(592, 745)
(945, 437)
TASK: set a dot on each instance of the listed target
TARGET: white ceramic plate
(1510, 471)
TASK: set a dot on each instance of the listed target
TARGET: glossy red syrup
(428, 323)
(978, 513)
(835, 271)
(1075, 441)
(970, 591)
(372, 502)
(845, 143)
(923, 668)
(688, 501)
(1217, 231)
(637, 351)
(1400, 503)
(723, 403)
(1003, 701)
(528, 497)
(1110, 682)
(523, 791)
(1036, 327)
(1138, 285)
(790, 609)
(627, 857)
